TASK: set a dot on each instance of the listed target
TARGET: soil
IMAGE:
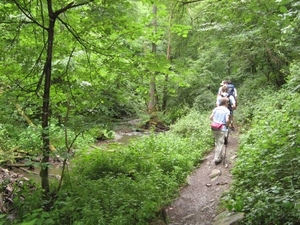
(198, 202)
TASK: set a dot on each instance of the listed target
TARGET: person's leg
(231, 121)
(226, 136)
(219, 138)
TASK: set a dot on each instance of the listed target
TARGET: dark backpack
(231, 91)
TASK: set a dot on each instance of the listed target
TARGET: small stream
(124, 138)
(55, 169)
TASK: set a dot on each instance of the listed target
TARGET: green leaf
(283, 9)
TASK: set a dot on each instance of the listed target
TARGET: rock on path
(198, 201)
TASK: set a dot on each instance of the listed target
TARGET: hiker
(231, 103)
(224, 82)
(231, 89)
(220, 117)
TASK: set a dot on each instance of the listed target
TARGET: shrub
(130, 184)
(267, 169)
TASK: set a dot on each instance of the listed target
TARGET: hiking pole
(225, 155)
(226, 143)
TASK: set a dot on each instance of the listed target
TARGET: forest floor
(198, 201)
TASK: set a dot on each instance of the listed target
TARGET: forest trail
(198, 202)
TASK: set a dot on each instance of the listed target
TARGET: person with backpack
(220, 119)
(231, 88)
(231, 102)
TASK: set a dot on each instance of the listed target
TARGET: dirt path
(198, 201)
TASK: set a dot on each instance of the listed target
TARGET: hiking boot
(225, 140)
(218, 162)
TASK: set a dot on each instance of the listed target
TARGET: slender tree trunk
(46, 101)
(152, 106)
(47, 71)
(165, 88)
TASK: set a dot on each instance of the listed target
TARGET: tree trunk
(44, 173)
(47, 71)
(152, 106)
(165, 88)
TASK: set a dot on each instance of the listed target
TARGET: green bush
(250, 99)
(205, 101)
(266, 173)
(130, 184)
(193, 124)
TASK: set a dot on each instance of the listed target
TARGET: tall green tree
(257, 36)
(46, 20)
(77, 58)
(153, 104)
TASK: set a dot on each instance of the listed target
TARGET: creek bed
(55, 169)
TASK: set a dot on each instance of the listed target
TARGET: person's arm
(211, 116)
(235, 93)
(232, 102)
(227, 118)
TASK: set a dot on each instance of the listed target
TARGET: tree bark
(152, 89)
(165, 87)
(44, 173)
(46, 75)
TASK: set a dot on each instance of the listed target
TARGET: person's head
(223, 101)
(224, 82)
(229, 81)
(224, 89)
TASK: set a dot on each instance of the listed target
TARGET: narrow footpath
(198, 201)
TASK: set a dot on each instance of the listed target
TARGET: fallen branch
(35, 173)
(17, 165)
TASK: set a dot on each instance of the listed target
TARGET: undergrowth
(266, 174)
(128, 184)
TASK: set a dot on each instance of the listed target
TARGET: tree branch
(72, 31)
(28, 14)
(70, 6)
(190, 2)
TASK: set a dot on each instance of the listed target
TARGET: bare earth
(198, 201)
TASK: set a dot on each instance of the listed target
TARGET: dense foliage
(266, 174)
(70, 70)
(117, 184)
